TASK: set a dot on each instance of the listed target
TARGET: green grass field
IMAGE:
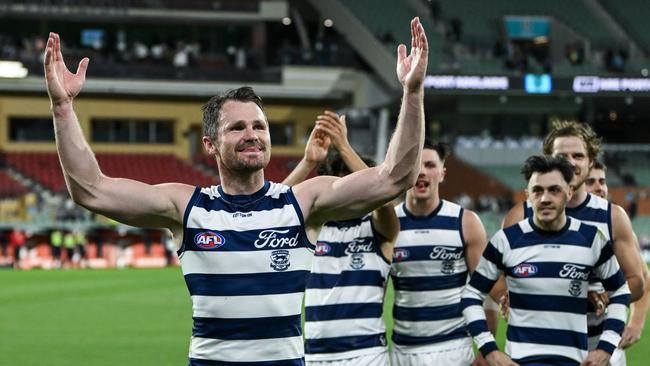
(114, 317)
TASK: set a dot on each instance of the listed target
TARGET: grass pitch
(116, 317)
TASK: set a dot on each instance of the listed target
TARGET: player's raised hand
(412, 69)
(62, 85)
(317, 146)
(335, 127)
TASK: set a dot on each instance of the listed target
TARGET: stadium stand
(9, 186)
(632, 16)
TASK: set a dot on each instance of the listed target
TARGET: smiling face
(548, 193)
(242, 141)
(596, 183)
(574, 150)
(432, 173)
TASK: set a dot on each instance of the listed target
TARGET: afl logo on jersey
(209, 240)
(322, 248)
(525, 270)
(400, 254)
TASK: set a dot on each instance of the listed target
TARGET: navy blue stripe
(513, 233)
(614, 282)
(427, 313)
(343, 344)
(566, 270)
(429, 283)
(488, 347)
(186, 214)
(246, 284)
(424, 252)
(347, 224)
(528, 210)
(303, 234)
(480, 282)
(605, 254)
(429, 223)
(542, 336)
(343, 311)
(466, 302)
(293, 362)
(595, 330)
(492, 254)
(286, 237)
(588, 214)
(248, 328)
(346, 278)
(606, 346)
(620, 299)
(546, 361)
(615, 325)
(406, 340)
(265, 203)
(588, 231)
(533, 238)
(477, 327)
(567, 304)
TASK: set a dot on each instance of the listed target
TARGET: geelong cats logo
(280, 260)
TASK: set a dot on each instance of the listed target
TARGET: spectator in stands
(274, 216)
(80, 247)
(596, 182)
(69, 243)
(56, 241)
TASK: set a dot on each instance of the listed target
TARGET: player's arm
(513, 216)
(613, 280)
(627, 251)
(325, 198)
(124, 200)
(489, 268)
(315, 153)
(634, 328)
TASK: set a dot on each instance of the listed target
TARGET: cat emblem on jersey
(448, 267)
(575, 288)
(280, 260)
(357, 261)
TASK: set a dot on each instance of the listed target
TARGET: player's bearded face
(574, 150)
(243, 139)
(548, 193)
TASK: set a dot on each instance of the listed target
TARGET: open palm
(317, 146)
(411, 69)
(62, 85)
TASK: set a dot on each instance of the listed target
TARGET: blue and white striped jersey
(597, 211)
(547, 274)
(429, 272)
(245, 260)
(345, 293)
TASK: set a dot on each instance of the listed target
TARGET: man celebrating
(547, 261)
(244, 253)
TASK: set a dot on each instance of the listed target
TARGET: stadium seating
(10, 187)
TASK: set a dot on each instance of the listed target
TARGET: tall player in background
(345, 292)
(438, 246)
(579, 144)
(596, 183)
(547, 260)
(245, 254)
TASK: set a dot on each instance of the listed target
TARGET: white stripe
(617, 311)
(548, 320)
(552, 252)
(425, 268)
(449, 209)
(488, 269)
(483, 338)
(276, 189)
(335, 265)
(253, 350)
(427, 237)
(428, 298)
(334, 234)
(598, 203)
(607, 269)
(344, 295)
(610, 337)
(259, 261)
(200, 218)
(343, 328)
(547, 286)
(427, 328)
(520, 350)
(257, 306)
(474, 313)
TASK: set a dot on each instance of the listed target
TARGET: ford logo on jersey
(209, 240)
(400, 254)
(322, 248)
(524, 270)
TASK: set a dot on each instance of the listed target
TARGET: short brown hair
(576, 129)
(546, 164)
(212, 109)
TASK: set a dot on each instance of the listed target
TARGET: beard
(246, 164)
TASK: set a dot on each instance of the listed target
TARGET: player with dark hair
(245, 254)
(580, 145)
(345, 292)
(596, 181)
(438, 246)
(547, 260)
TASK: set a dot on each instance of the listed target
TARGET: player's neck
(422, 207)
(555, 225)
(579, 196)
(237, 183)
